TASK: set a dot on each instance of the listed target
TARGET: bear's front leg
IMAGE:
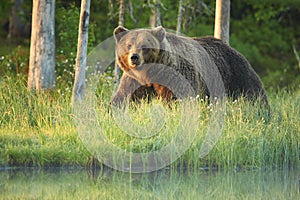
(125, 90)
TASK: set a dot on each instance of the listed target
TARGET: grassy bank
(39, 130)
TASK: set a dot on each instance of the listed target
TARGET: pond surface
(165, 184)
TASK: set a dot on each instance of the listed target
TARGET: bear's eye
(129, 46)
(145, 48)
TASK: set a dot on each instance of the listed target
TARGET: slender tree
(155, 19)
(179, 17)
(17, 26)
(80, 67)
(222, 18)
(131, 12)
(121, 23)
(42, 46)
(296, 55)
(121, 13)
(111, 7)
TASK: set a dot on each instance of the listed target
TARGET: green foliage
(67, 20)
(264, 31)
(38, 129)
(15, 63)
(4, 13)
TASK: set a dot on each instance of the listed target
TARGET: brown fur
(182, 54)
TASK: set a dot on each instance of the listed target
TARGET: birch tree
(80, 66)
(296, 55)
(121, 13)
(155, 17)
(42, 47)
(179, 17)
(121, 23)
(222, 18)
(17, 26)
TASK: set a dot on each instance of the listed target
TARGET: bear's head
(136, 47)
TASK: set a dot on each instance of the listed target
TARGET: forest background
(266, 32)
(37, 129)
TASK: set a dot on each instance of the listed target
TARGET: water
(165, 184)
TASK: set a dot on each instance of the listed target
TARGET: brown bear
(153, 59)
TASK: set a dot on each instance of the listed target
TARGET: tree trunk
(155, 17)
(121, 13)
(222, 19)
(80, 67)
(17, 26)
(42, 47)
(179, 17)
(296, 55)
(121, 23)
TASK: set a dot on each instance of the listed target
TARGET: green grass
(39, 130)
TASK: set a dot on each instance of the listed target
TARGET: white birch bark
(121, 23)
(42, 47)
(179, 17)
(155, 19)
(222, 19)
(80, 67)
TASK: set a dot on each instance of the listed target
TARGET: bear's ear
(119, 32)
(159, 32)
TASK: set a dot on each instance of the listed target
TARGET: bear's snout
(135, 59)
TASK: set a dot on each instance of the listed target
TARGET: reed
(39, 130)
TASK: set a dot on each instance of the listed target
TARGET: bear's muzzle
(135, 59)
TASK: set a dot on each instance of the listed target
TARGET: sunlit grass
(39, 130)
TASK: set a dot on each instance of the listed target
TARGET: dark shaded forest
(266, 32)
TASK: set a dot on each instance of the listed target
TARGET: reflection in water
(165, 184)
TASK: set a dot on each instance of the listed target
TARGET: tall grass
(39, 130)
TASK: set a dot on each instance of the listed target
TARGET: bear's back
(237, 73)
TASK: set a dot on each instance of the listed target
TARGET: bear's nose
(135, 58)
